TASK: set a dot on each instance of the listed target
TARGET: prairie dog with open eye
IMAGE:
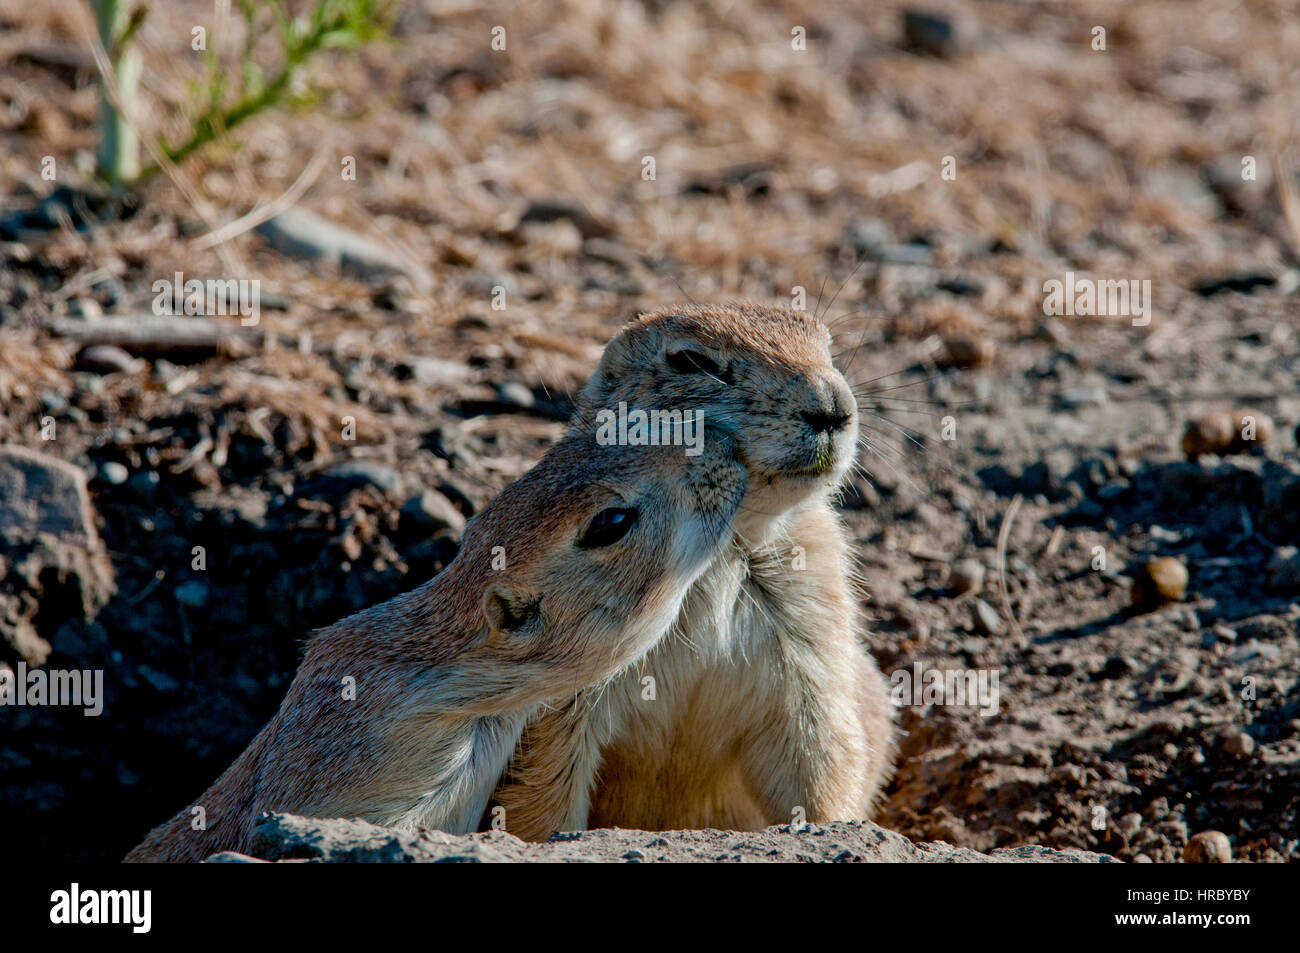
(405, 714)
(763, 707)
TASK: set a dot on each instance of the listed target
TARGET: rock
(959, 285)
(1223, 176)
(159, 681)
(106, 359)
(192, 594)
(430, 511)
(868, 234)
(1239, 744)
(285, 837)
(1130, 824)
(355, 474)
(931, 33)
(301, 233)
(114, 473)
(586, 223)
(1284, 570)
(459, 498)
(985, 618)
(85, 309)
(966, 575)
(1242, 281)
(83, 641)
(1088, 395)
(1113, 490)
(50, 552)
(438, 372)
(233, 857)
(1160, 581)
(966, 351)
(145, 483)
(515, 394)
(1227, 432)
(1117, 666)
(83, 209)
(1208, 847)
(907, 253)
(1240, 654)
(1183, 188)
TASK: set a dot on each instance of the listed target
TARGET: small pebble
(193, 594)
(106, 359)
(966, 575)
(1160, 581)
(932, 33)
(513, 392)
(965, 351)
(1239, 744)
(1227, 432)
(1130, 824)
(431, 511)
(1208, 847)
(1113, 490)
(985, 618)
(1117, 666)
(159, 681)
(114, 473)
(87, 309)
(1284, 570)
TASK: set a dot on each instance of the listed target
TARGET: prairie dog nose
(826, 421)
(834, 410)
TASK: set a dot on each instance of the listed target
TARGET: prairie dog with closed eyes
(762, 707)
(405, 714)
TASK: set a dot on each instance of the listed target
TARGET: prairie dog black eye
(607, 527)
(689, 361)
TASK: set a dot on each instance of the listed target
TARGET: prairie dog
(765, 709)
(571, 574)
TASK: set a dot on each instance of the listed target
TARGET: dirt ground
(516, 178)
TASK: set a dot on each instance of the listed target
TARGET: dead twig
(1003, 535)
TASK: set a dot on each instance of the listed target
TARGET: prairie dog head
(762, 375)
(581, 565)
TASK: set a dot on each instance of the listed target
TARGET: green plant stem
(215, 122)
(118, 159)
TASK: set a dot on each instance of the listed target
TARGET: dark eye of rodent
(693, 362)
(607, 527)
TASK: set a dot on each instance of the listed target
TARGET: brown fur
(446, 675)
(767, 710)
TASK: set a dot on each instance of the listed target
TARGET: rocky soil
(182, 499)
(284, 838)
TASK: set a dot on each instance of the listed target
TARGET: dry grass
(1070, 158)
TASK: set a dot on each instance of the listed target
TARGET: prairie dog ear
(631, 352)
(510, 610)
(610, 368)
